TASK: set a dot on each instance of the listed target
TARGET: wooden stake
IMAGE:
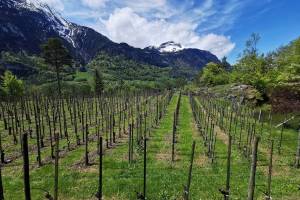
(226, 196)
(129, 144)
(99, 194)
(26, 167)
(2, 158)
(187, 187)
(145, 167)
(173, 138)
(1, 185)
(280, 140)
(86, 145)
(297, 163)
(56, 166)
(38, 146)
(268, 193)
(251, 186)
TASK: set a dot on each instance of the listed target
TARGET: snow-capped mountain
(26, 24)
(64, 28)
(170, 47)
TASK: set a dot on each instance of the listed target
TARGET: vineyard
(144, 145)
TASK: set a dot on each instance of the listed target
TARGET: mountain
(26, 24)
(168, 47)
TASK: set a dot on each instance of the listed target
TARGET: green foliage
(213, 74)
(180, 82)
(99, 84)
(55, 54)
(68, 88)
(80, 79)
(225, 64)
(11, 85)
(121, 68)
(117, 69)
(263, 72)
(70, 77)
(251, 45)
(279, 67)
(251, 69)
(25, 59)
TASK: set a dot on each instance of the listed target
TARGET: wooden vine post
(173, 138)
(226, 197)
(145, 168)
(86, 146)
(56, 166)
(251, 186)
(297, 162)
(268, 192)
(280, 141)
(2, 158)
(99, 193)
(186, 193)
(26, 167)
(129, 143)
(39, 159)
(1, 185)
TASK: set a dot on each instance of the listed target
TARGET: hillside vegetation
(266, 75)
(117, 71)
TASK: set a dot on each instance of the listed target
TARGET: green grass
(165, 180)
(87, 76)
(285, 177)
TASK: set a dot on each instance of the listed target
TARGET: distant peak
(170, 46)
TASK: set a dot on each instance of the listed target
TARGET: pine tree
(56, 55)
(99, 84)
(225, 64)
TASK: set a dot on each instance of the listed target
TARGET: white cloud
(145, 5)
(94, 4)
(124, 25)
(220, 45)
(142, 23)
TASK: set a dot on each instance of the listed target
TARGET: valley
(156, 100)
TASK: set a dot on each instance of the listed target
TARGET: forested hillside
(117, 72)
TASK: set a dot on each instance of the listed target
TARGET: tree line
(263, 71)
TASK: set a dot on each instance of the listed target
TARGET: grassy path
(284, 178)
(166, 181)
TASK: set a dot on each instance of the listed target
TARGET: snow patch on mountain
(170, 47)
(64, 28)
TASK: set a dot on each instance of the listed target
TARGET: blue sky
(220, 26)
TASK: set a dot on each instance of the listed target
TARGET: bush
(68, 88)
(68, 78)
(12, 86)
(214, 74)
(80, 79)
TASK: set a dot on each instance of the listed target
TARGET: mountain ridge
(25, 26)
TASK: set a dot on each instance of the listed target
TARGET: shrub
(80, 79)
